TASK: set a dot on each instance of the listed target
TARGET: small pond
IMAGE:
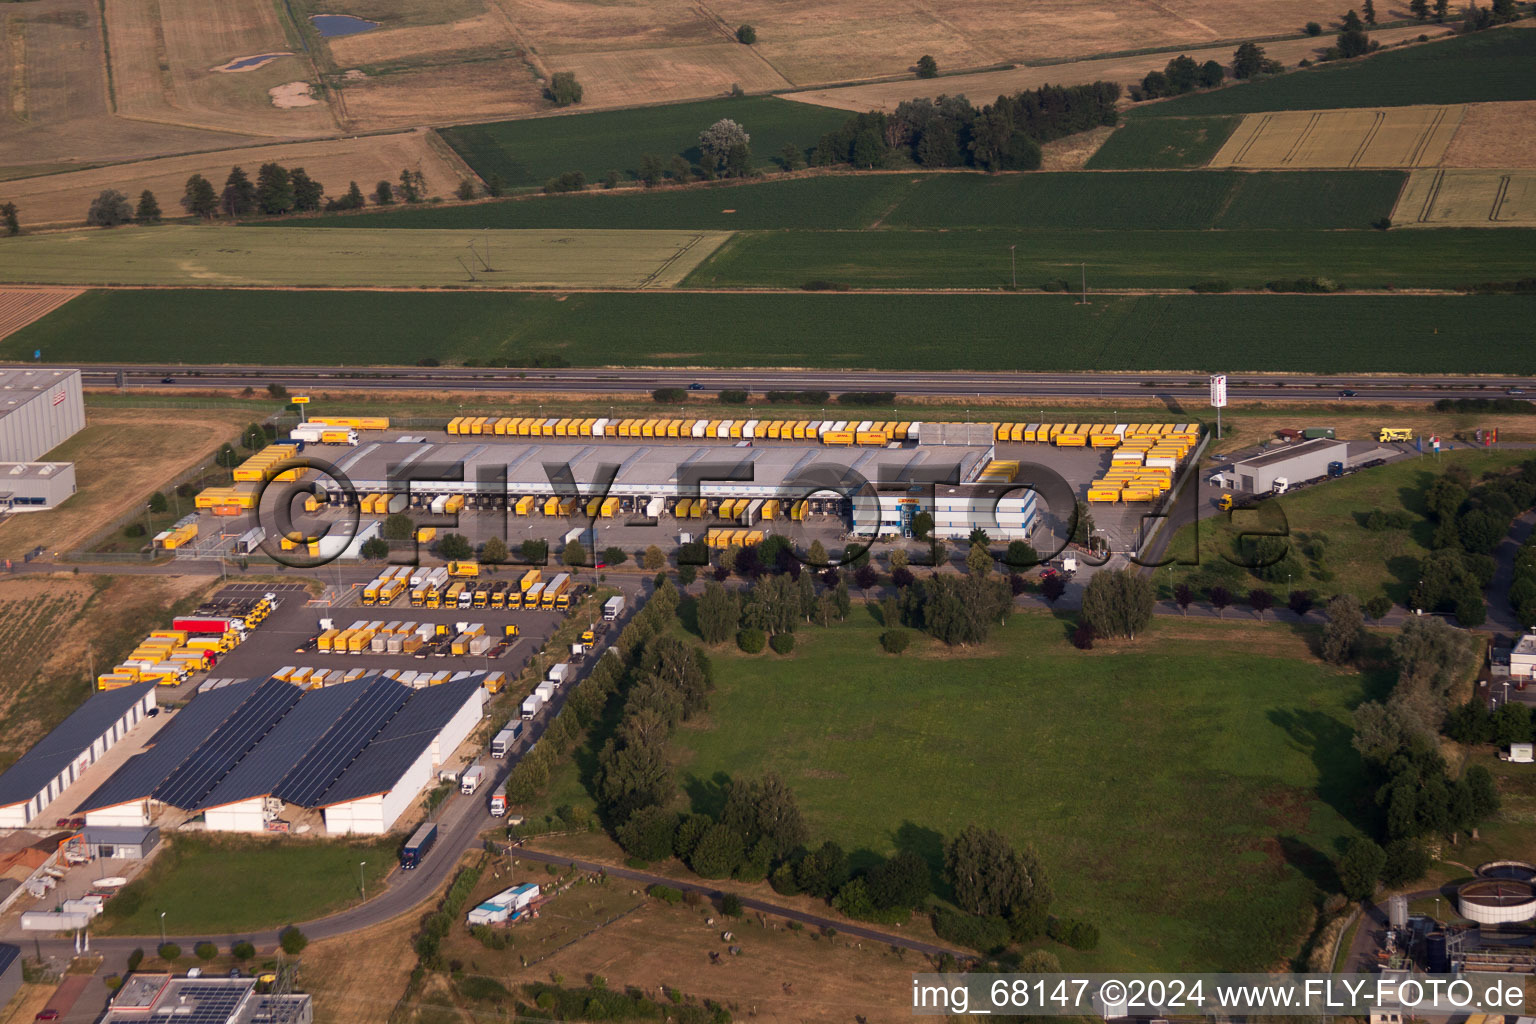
(251, 62)
(333, 25)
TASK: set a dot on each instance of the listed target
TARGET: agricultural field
(165, 56)
(121, 458)
(1495, 135)
(21, 306)
(1128, 201)
(400, 97)
(1170, 260)
(1362, 562)
(530, 152)
(897, 753)
(57, 631)
(1359, 137)
(1486, 66)
(1132, 61)
(627, 77)
(64, 198)
(1164, 144)
(1033, 331)
(293, 257)
(216, 886)
(1464, 198)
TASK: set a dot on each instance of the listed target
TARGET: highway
(954, 385)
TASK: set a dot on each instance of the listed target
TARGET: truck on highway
(471, 779)
(417, 846)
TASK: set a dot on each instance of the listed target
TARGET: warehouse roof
(31, 470)
(397, 746)
(268, 736)
(650, 467)
(53, 753)
(18, 387)
(1316, 446)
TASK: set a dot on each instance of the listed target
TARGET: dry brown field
(64, 198)
(984, 86)
(121, 458)
(1358, 137)
(1467, 198)
(21, 306)
(558, 27)
(1495, 135)
(487, 31)
(479, 91)
(619, 78)
(164, 53)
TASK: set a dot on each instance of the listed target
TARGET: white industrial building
(35, 486)
(39, 410)
(241, 755)
(39, 776)
(203, 1000)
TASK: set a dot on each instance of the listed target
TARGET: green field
(290, 257)
(1166, 144)
(214, 887)
(1447, 258)
(1488, 66)
(1187, 793)
(1031, 331)
(531, 151)
(1131, 200)
(1363, 562)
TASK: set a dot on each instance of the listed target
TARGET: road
(955, 385)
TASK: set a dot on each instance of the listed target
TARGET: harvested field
(121, 458)
(361, 989)
(1073, 152)
(1461, 198)
(56, 630)
(1495, 135)
(436, 95)
(164, 56)
(627, 77)
(981, 86)
(1360, 137)
(217, 256)
(64, 198)
(486, 31)
(21, 306)
(557, 28)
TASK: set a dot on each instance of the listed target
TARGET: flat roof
(18, 387)
(31, 470)
(31, 772)
(120, 835)
(653, 466)
(1292, 451)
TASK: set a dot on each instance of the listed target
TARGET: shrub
(666, 894)
(1378, 606)
(782, 643)
(730, 905)
(1314, 29)
(746, 35)
(669, 396)
(895, 640)
(752, 641)
(1077, 934)
(570, 181)
(205, 951)
(563, 89)
(983, 934)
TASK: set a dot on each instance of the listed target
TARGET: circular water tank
(1518, 870)
(1496, 901)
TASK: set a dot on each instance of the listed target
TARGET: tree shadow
(1314, 865)
(1341, 774)
(1406, 570)
(688, 615)
(927, 844)
(863, 859)
(707, 796)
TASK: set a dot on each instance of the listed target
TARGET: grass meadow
(1488, 66)
(1167, 144)
(529, 152)
(1027, 331)
(1187, 791)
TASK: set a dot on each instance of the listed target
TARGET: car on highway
(695, 386)
(1515, 391)
(1346, 393)
(167, 380)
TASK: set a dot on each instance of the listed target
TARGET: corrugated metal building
(1305, 461)
(360, 751)
(35, 486)
(37, 778)
(39, 410)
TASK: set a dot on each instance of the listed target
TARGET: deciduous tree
(109, 209)
(1118, 603)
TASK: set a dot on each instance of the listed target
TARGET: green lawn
(209, 886)
(1362, 562)
(1187, 792)
(1170, 143)
(533, 150)
(1128, 201)
(1447, 258)
(1029, 331)
(1487, 66)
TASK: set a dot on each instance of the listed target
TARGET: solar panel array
(401, 742)
(342, 743)
(57, 751)
(206, 1003)
(228, 744)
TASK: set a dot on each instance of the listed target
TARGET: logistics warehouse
(242, 755)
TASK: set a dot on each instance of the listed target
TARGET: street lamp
(361, 885)
(162, 927)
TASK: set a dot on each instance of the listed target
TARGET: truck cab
(498, 805)
(1224, 502)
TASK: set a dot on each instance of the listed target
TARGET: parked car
(47, 1015)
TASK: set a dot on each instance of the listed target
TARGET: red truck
(215, 624)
